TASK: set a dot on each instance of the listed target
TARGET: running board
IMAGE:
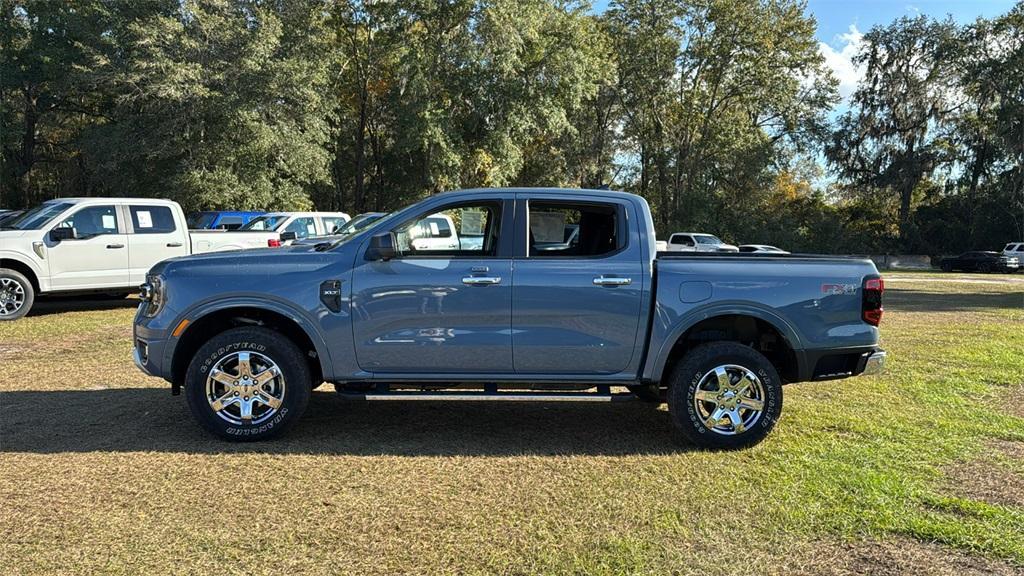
(493, 396)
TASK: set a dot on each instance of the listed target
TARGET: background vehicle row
(99, 245)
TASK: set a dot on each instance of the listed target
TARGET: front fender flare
(305, 323)
(41, 278)
(691, 319)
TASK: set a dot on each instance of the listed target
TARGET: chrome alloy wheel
(245, 387)
(12, 296)
(729, 399)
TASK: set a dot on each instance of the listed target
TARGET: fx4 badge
(839, 289)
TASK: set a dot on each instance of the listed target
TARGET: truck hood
(13, 233)
(245, 266)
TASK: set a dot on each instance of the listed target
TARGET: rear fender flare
(723, 309)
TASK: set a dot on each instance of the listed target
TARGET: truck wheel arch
(772, 336)
(24, 268)
(218, 318)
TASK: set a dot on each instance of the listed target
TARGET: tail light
(871, 308)
(273, 243)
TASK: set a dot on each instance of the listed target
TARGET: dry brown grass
(102, 471)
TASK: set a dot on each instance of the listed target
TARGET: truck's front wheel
(247, 384)
(724, 395)
(16, 294)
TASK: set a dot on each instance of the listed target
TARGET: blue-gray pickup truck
(507, 294)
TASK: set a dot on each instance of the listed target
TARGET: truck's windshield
(359, 222)
(200, 220)
(38, 217)
(268, 222)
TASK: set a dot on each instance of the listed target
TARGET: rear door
(97, 258)
(575, 307)
(436, 309)
(154, 234)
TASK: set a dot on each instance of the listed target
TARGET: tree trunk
(358, 193)
(27, 156)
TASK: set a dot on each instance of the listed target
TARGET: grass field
(920, 470)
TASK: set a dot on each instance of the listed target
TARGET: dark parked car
(9, 216)
(980, 262)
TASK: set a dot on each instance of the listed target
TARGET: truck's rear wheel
(247, 384)
(724, 395)
(16, 294)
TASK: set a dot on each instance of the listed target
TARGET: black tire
(14, 284)
(267, 344)
(692, 370)
(947, 267)
(985, 268)
(649, 393)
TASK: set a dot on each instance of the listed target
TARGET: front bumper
(141, 358)
(875, 364)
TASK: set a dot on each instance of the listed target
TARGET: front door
(97, 258)
(576, 304)
(437, 309)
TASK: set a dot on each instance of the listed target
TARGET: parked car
(761, 249)
(9, 216)
(221, 219)
(105, 245)
(354, 225)
(302, 224)
(696, 242)
(248, 335)
(1015, 250)
(980, 262)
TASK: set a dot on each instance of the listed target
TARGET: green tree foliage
(217, 104)
(713, 94)
(716, 111)
(892, 138)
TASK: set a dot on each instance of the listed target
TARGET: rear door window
(332, 224)
(303, 227)
(560, 229)
(152, 219)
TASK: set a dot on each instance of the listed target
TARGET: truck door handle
(174, 244)
(606, 281)
(115, 246)
(481, 280)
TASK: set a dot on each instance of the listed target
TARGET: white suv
(697, 242)
(1015, 250)
(302, 224)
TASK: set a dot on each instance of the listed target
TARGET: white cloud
(840, 60)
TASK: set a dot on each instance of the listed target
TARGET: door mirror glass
(288, 236)
(61, 234)
(382, 247)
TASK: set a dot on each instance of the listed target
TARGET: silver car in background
(698, 242)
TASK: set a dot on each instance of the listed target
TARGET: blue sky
(841, 23)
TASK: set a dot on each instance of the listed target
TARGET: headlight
(152, 294)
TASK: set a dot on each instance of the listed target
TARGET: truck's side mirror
(288, 236)
(382, 247)
(61, 234)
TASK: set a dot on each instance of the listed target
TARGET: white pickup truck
(101, 245)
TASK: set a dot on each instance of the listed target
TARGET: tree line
(719, 112)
